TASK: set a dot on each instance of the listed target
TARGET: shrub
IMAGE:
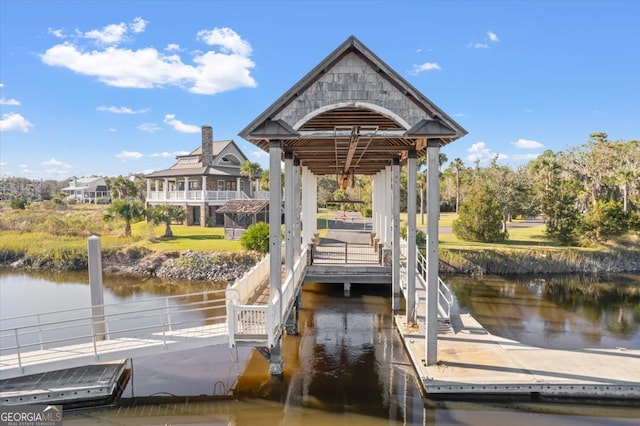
(607, 219)
(19, 203)
(480, 218)
(256, 238)
(421, 237)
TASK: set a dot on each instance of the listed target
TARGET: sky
(118, 87)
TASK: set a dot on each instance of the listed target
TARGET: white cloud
(128, 155)
(54, 162)
(166, 154)
(4, 101)
(179, 126)
(484, 44)
(138, 25)
(260, 154)
(149, 127)
(109, 35)
(162, 154)
(526, 157)
(2, 164)
(12, 121)
(173, 47)
(479, 152)
(527, 144)
(58, 172)
(1, 85)
(427, 66)
(227, 39)
(56, 33)
(29, 172)
(121, 110)
(111, 129)
(211, 72)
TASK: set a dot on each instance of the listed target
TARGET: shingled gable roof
(243, 206)
(256, 128)
(197, 169)
(351, 114)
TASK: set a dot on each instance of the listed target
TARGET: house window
(193, 184)
(242, 185)
(220, 185)
(231, 185)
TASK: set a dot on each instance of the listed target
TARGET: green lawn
(446, 219)
(184, 238)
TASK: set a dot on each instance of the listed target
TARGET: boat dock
(91, 385)
(475, 365)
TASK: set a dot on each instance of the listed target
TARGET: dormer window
(229, 160)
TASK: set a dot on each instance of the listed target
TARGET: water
(347, 365)
(556, 312)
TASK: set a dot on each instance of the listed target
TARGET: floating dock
(475, 365)
(92, 385)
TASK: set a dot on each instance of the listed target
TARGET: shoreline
(227, 266)
(185, 265)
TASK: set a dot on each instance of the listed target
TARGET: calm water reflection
(556, 312)
(347, 365)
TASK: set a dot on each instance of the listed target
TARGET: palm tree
(166, 214)
(251, 170)
(457, 165)
(129, 211)
(123, 188)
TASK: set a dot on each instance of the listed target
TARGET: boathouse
(354, 115)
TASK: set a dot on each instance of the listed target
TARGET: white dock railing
(445, 295)
(262, 323)
(31, 340)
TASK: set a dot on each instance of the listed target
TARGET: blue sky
(119, 87)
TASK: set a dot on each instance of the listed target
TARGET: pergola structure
(352, 114)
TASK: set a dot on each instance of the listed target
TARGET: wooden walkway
(473, 364)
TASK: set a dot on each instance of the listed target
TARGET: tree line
(589, 193)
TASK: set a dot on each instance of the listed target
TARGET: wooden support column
(375, 199)
(389, 206)
(186, 188)
(433, 212)
(297, 201)
(396, 234)
(96, 289)
(275, 239)
(410, 295)
(313, 229)
(289, 210)
(306, 208)
(165, 188)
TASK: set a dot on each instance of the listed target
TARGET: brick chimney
(207, 146)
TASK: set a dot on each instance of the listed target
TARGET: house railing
(196, 195)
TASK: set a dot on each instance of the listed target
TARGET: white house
(203, 180)
(87, 189)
